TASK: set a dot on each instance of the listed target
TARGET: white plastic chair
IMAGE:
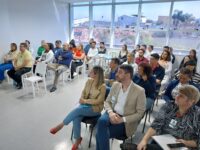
(66, 75)
(7, 77)
(34, 79)
(81, 68)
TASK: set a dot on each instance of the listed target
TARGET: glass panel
(155, 18)
(100, 2)
(102, 18)
(102, 35)
(81, 34)
(81, 3)
(126, 0)
(81, 16)
(124, 36)
(185, 25)
(156, 38)
(126, 16)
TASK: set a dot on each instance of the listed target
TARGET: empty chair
(39, 75)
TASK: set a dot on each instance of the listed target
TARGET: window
(101, 23)
(81, 3)
(126, 0)
(185, 25)
(100, 2)
(125, 22)
(102, 18)
(154, 24)
(81, 35)
(81, 24)
(81, 16)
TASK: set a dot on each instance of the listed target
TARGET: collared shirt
(25, 56)
(119, 107)
(92, 52)
(186, 127)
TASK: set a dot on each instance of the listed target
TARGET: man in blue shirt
(58, 47)
(110, 77)
(158, 71)
(63, 59)
(88, 46)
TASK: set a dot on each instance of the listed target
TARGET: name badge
(172, 123)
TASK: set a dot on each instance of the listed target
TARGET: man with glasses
(63, 59)
(22, 64)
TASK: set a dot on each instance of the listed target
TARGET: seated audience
(180, 119)
(191, 65)
(88, 46)
(131, 61)
(8, 58)
(91, 104)
(173, 57)
(183, 79)
(146, 52)
(63, 59)
(102, 48)
(150, 50)
(29, 48)
(46, 57)
(72, 45)
(158, 71)
(135, 51)
(22, 64)
(123, 54)
(110, 75)
(141, 57)
(58, 44)
(125, 106)
(41, 49)
(165, 62)
(145, 79)
(191, 56)
(78, 56)
(93, 51)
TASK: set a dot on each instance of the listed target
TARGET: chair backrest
(41, 69)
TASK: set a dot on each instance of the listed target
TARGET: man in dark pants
(125, 106)
(22, 64)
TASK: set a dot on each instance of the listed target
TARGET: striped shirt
(195, 77)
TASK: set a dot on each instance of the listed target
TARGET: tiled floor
(25, 122)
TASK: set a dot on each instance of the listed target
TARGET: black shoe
(1, 81)
(19, 86)
(53, 89)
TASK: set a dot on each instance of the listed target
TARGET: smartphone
(176, 145)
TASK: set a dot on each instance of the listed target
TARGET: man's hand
(115, 118)
(142, 145)
(82, 101)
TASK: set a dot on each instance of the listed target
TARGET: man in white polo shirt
(125, 106)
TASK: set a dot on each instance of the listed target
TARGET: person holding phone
(181, 119)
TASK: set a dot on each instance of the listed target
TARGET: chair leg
(33, 87)
(146, 113)
(90, 136)
(72, 134)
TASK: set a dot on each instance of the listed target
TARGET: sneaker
(53, 89)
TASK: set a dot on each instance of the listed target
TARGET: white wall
(33, 20)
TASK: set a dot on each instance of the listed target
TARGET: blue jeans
(4, 67)
(149, 103)
(106, 130)
(77, 115)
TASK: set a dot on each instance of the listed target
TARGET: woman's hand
(82, 101)
(188, 143)
(142, 145)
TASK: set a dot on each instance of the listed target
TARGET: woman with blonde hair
(179, 119)
(91, 104)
